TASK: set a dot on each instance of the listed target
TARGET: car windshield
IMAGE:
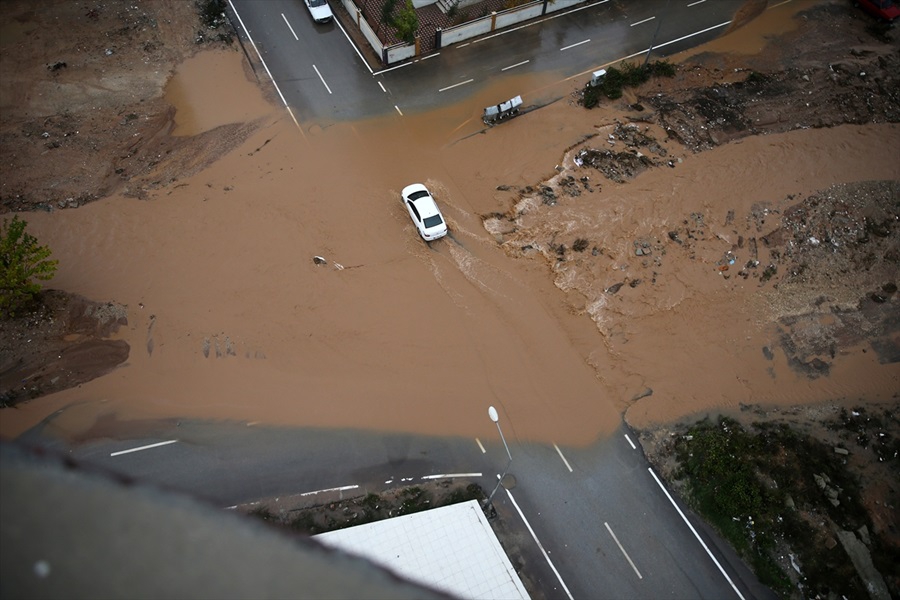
(433, 221)
(315, 3)
(418, 194)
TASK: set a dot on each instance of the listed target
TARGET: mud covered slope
(82, 115)
(82, 107)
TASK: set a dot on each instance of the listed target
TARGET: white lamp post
(492, 413)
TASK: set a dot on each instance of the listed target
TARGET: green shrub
(22, 261)
(627, 75)
(407, 23)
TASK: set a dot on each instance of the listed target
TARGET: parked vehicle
(320, 11)
(886, 10)
(504, 110)
(424, 212)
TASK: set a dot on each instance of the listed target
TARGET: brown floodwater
(230, 318)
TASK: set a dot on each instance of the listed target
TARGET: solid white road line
(573, 45)
(644, 21)
(533, 23)
(519, 64)
(690, 35)
(696, 535)
(628, 558)
(644, 51)
(266, 67)
(349, 39)
(451, 475)
(322, 79)
(450, 87)
(558, 451)
(633, 447)
(289, 27)
(158, 444)
(538, 542)
(335, 489)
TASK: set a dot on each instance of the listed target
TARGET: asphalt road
(596, 520)
(322, 74)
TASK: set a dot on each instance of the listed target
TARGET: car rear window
(418, 194)
(433, 221)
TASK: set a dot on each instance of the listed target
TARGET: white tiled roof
(451, 549)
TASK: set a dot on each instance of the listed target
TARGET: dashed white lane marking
(573, 45)
(518, 64)
(644, 21)
(381, 85)
(334, 489)
(558, 451)
(156, 445)
(628, 558)
(400, 112)
(538, 542)
(477, 441)
(322, 79)
(451, 475)
(289, 27)
(696, 535)
(696, 3)
(450, 87)
(633, 447)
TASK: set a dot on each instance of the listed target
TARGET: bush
(22, 261)
(628, 75)
(407, 23)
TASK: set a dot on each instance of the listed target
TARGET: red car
(887, 10)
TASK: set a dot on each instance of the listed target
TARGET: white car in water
(424, 212)
(320, 11)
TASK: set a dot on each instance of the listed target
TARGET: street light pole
(492, 413)
(655, 33)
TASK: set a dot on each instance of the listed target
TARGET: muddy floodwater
(230, 317)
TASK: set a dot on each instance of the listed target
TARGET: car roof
(426, 206)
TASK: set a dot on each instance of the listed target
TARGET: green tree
(22, 261)
(407, 23)
(387, 12)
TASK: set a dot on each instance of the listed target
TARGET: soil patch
(63, 342)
